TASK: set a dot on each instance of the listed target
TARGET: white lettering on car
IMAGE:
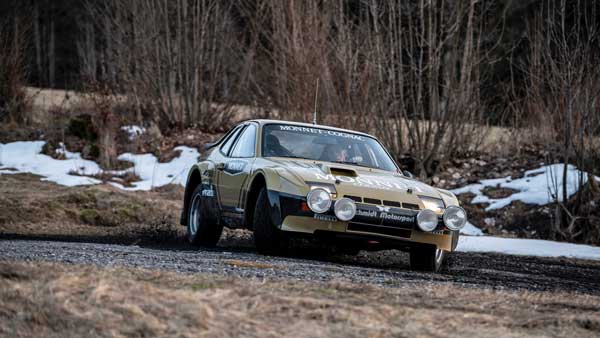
(345, 179)
(327, 218)
(327, 177)
(320, 132)
(374, 183)
(366, 213)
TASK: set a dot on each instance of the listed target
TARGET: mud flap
(275, 206)
(455, 235)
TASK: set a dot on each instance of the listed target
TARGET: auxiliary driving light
(344, 209)
(318, 200)
(427, 220)
(455, 218)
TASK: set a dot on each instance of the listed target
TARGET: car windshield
(280, 140)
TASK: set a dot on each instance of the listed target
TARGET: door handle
(220, 166)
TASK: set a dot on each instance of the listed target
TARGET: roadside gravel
(386, 268)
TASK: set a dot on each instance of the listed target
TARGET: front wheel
(200, 231)
(427, 258)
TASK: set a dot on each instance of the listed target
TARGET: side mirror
(408, 174)
(208, 146)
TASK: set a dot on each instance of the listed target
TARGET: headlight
(434, 204)
(318, 200)
(345, 209)
(427, 220)
(455, 218)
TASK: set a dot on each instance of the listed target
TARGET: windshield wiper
(290, 156)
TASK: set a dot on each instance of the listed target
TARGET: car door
(236, 168)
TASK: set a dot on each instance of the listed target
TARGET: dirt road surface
(387, 268)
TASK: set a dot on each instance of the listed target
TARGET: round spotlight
(455, 218)
(318, 200)
(345, 209)
(427, 220)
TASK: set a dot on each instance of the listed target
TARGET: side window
(246, 144)
(227, 145)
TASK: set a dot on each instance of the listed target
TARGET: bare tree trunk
(51, 53)
(37, 41)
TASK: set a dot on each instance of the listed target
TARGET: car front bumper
(371, 222)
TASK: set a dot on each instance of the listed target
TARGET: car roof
(263, 122)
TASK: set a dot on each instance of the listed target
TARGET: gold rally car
(283, 179)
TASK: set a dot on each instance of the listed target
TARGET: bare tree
(407, 71)
(13, 42)
(428, 57)
(563, 104)
(167, 57)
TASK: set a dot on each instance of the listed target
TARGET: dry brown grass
(46, 299)
(32, 207)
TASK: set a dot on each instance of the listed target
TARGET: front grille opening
(410, 206)
(354, 198)
(391, 204)
(372, 201)
(360, 227)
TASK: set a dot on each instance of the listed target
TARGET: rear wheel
(268, 239)
(200, 231)
(427, 258)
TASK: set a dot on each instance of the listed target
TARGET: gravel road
(386, 268)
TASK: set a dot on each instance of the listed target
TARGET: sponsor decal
(327, 218)
(397, 218)
(317, 131)
(385, 215)
(374, 182)
(367, 213)
(235, 167)
(208, 193)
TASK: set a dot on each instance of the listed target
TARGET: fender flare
(195, 178)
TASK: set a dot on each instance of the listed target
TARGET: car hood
(356, 180)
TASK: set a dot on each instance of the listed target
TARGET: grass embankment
(31, 207)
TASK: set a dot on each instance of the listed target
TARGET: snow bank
(155, 174)
(471, 230)
(527, 247)
(26, 157)
(534, 188)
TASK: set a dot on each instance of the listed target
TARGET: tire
(200, 232)
(267, 238)
(427, 258)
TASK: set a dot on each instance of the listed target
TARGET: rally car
(284, 179)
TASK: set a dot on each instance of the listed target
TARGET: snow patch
(471, 230)
(527, 247)
(536, 187)
(26, 157)
(155, 174)
(133, 131)
(67, 154)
